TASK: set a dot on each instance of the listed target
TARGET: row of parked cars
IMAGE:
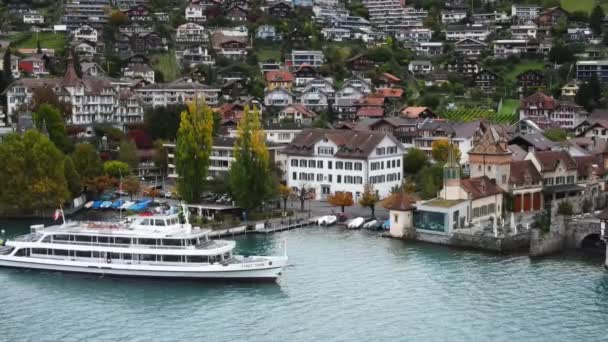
(217, 198)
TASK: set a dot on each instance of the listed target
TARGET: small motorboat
(117, 204)
(126, 205)
(356, 223)
(96, 205)
(105, 204)
(89, 204)
(331, 219)
(386, 225)
(370, 224)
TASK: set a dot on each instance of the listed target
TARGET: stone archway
(593, 242)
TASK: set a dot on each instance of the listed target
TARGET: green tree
(128, 153)
(6, 77)
(163, 122)
(414, 161)
(565, 208)
(194, 141)
(369, 198)
(589, 94)
(72, 177)
(48, 117)
(31, 174)
(87, 161)
(429, 181)
(440, 149)
(595, 20)
(116, 168)
(160, 155)
(250, 178)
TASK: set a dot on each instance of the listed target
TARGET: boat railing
(122, 245)
(28, 237)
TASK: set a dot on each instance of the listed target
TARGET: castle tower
(491, 157)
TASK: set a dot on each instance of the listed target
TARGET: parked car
(168, 194)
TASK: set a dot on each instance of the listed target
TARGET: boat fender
(109, 261)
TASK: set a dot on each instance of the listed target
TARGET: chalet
(324, 84)
(280, 10)
(486, 81)
(85, 33)
(464, 67)
(414, 35)
(420, 67)
(279, 79)
(232, 72)
(524, 12)
(314, 99)
(528, 31)
(92, 69)
(139, 70)
(545, 111)
(469, 47)
(194, 56)
(297, 58)
(234, 88)
(360, 62)
(460, 32)
(86, 49)
(147, 43)
(429, 49)
(452, 16)
(195, 13)
(298, 114)
(418, 113)
(230, 46)
(388, 80)
(551, 16)
(138, 14)
(278, 97)
(267, 32)
(237, 13)
(303, 74)
(530, 80)
(190, 33)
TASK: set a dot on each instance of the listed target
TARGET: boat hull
(253, 271)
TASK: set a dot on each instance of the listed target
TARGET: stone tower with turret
(491, 157)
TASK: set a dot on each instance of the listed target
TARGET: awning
(556, 189)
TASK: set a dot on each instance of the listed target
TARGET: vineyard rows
(466, 115)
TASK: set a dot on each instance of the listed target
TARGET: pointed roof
(451, 162)
(70, 78)
(491, 142)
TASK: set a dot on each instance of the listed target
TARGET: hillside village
(349, 93)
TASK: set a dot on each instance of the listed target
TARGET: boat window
(151, 242)
(226, 256)
(145, 222)
(123, 240)
(198, 259)
(20, 252)
(174, 221)
(39, 251)
(113, 255)
(126, 257)
(83, 254)
(159, 222)
(171, 258)
(103, 239)
(60, 252)
(193, 242)
(83, 238)
(47, 239)
(148, 257)
(61, 237)
(172, 242)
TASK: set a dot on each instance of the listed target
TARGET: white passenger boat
(144, 246)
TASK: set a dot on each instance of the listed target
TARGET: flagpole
(62, 214)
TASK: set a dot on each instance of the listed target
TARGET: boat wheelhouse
(151, 245)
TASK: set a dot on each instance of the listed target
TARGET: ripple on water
(341, 285)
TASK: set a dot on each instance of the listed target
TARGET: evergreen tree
(250, 178)
(595, 20)
(87, 161)
(48, 117)
(72, 177)
(194, 141)
(589, 94)
(6, 76)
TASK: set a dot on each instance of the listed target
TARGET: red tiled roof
(524, 172)
(480, 187)
(391, 77)
(539, 97)
(301, 109)
(279, 76)
(388, 92)
(371, 111)
(373, 101)
(400, 201)
(413, 112)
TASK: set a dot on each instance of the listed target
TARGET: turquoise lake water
(341, 285)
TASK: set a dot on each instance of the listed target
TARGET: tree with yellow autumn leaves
(251, 181)
(194, 142)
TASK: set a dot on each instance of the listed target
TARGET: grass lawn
(267, 53)
(523, 66)
(167, 65)
(509, 106)
(577, 5)
(49, 40)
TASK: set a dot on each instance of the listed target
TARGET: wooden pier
(268, 227)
